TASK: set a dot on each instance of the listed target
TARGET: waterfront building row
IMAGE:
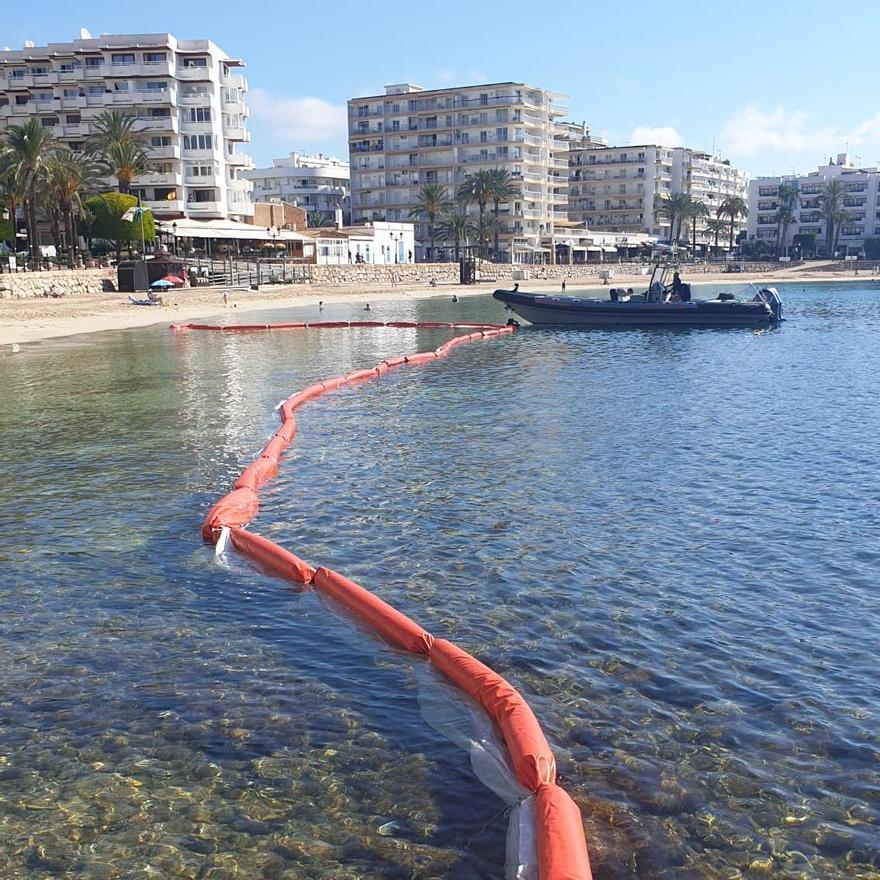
(188, 97)
(860, 203)
(410, 136)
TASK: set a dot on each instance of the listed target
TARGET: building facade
(319, 184)
(409, 137)
(860, 202)
(188, 97)
(619, 188)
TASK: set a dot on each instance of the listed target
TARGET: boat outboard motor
(770, 296)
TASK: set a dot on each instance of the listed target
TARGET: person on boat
(676, 285)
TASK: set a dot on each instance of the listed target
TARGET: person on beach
(367, 308)
(320, 305)
(563, 285)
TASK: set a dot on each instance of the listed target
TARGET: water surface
(666, 539)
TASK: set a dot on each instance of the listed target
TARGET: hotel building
(861, 201)
(409, 137)
(319, 184)
(619, 188)
(188, 97)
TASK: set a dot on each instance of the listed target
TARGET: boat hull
(570, 311)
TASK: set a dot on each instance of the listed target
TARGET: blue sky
(776, 85)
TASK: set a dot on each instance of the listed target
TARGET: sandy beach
(29, 320)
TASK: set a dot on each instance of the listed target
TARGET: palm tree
(454, 227)
(483, 229)
(696, 210)
(71, 176)
(29, 148)
(121, 149)
(674, 207)
(784, 216)
(715, 226)
(11, 188)
(732, 207)
(477, 188)
(504, 188)
(831, 206)
(431, 201)
(319, 219)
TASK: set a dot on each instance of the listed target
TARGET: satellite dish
(85, 34)
(28, 44)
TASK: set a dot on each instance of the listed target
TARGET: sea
(667, 540)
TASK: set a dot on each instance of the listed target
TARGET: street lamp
(394, 240)
(174, 236)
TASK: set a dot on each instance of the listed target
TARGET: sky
(775, 86)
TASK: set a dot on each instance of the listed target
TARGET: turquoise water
(667, 540)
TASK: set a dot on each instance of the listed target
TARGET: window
(501, 134)
(73, 118)
(39, 71)
(164, 193)
(195, 63)
(95, 90)
(153, 57)
(93, 62)
(68, 67)
(17, 74)
(160, 141)
(159, 113)
(201, 195)
(49, 121)
(157, 87)
(122, 58)
(198, 114)
(484, 137)
(197, 142)
(200, 170)
(71, 93)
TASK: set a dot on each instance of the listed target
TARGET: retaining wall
(64, 282)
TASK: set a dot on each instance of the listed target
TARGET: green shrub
(108, 209)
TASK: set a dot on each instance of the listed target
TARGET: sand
(28, 320)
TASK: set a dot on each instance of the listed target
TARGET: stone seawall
(64, 282)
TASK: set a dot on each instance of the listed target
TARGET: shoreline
(24, 321)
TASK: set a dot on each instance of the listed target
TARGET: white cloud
(663, 135)
(751, 131)
(299, 120)
(866, 132)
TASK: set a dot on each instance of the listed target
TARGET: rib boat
(661, 305)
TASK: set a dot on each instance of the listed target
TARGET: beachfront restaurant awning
(609, 249)
(593, 249)
(227, 229)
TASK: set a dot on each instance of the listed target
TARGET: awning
(227, 229)
(609, 249)
(593, 249)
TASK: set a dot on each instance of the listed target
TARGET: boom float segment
(561, 845)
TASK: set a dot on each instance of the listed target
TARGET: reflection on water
(666, 540)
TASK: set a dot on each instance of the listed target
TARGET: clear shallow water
(667, 540)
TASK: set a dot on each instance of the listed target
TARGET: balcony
(72, 103)
(157, 123)
(139, 68)
(236, 133)
(70, 76)
(153, 178)
(193, 74)
(199, 99)
(239, 160)
(164, 207)
(164, 152)
(200, 208)
(187, 126)
(234, 81)
(72, 130)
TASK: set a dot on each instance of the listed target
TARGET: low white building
(319, 184)
(376, 243)
(861, 202)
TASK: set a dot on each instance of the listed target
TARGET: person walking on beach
(563, 285)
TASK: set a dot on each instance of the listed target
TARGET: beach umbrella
(162, 282)
(175, 280)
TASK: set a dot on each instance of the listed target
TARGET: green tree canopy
(108, 209)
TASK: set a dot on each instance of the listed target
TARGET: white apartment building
(318, 184)
(188, 97)
(618, 188)
(861, 202)
(409, 137)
